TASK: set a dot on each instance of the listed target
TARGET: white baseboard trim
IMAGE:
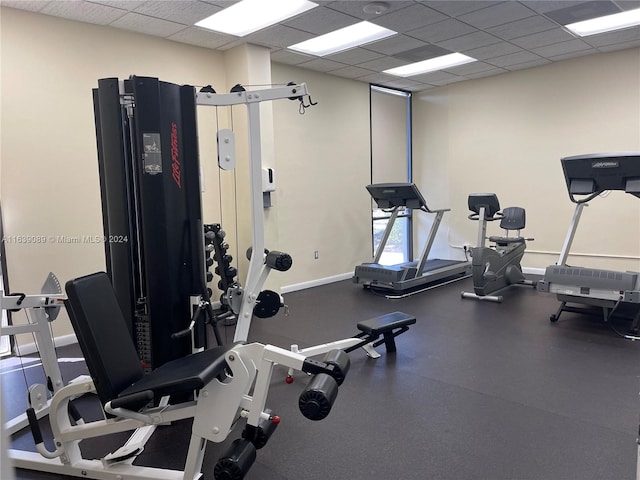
(533, 271)
(62, 341)
(315, 283)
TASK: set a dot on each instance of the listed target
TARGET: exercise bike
(496, 267)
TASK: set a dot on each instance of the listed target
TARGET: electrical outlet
(315, 254)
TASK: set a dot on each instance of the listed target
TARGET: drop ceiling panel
(487, 73)
(422, 53)
(620, 46)
(627, 4)
(438, 78)
(395, 44)
(530, 64)
(121, 4)
(611, 38)
(220, 3)
(470, 68)
(278, 36)
(404, 84)
(352, 72)
(492, 51)
(549, 37)
(500, 14)
(513, 59)
(354, 56)
(149, 25)
(567, 56)
(445, 30)
(409, 18)
(322, 65)
(457, 8)
(383, 63)
(289, 57)
(506, 34)
(187, 12)
(562, 48)
(583, 11)
(521, 28)
(543, 6)
(83, 11)
(378, 78)
(29, 5)
(321, 20)
(200, 37)
(469, 41)
(355, 8)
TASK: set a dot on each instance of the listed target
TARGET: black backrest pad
(103, 335)
(513, 218)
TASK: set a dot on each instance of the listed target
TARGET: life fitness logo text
(175, 163)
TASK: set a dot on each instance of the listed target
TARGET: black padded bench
(389, 326)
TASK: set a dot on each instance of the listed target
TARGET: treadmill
(411, 277)
(591, 290)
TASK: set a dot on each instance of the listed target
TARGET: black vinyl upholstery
(111, 356)
(103, 336)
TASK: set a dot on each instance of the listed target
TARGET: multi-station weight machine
(154, 293)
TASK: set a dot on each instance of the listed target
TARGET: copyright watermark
(63, 239)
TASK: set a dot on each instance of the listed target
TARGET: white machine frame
(35, 306)
(215, 411)
(258, 270)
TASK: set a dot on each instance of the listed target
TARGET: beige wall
(506, 134)
(49, 172)
(322, 165)
(49, 178)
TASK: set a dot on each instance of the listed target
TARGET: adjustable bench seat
(111, 356)
(389, 326)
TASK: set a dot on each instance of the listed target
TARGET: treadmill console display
(391, 195)
(593, 174)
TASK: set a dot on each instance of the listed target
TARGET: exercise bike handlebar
(476, 216)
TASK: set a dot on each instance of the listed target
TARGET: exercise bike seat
(513, 218)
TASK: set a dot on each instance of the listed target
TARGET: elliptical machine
(498, 266)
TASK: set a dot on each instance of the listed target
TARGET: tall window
(391, 162)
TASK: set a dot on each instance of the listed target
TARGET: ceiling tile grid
(502, 35)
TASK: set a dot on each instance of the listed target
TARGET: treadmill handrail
(438, 210)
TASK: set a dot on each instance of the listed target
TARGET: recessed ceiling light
(608, 23)
(431, 65)
(343, 39)
(249, 16)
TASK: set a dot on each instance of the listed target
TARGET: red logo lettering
(175, 162)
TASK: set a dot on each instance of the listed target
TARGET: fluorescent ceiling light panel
(343, 39)
(431, 65)
(608, 23)
(249, 16)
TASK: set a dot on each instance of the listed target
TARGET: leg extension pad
(389, 326)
